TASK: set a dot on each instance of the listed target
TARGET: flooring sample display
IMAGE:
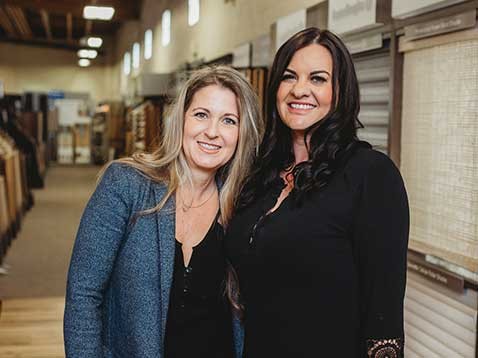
(439, 150)
(4, 216)
(40, 255)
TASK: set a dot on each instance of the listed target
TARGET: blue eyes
(229, 121)
(225, 120)
(200, 115)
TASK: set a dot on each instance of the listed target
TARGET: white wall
(29, 68)
(221, 27)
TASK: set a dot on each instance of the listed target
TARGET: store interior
(77, 92)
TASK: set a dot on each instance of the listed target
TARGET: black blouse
(199, 321)
(326, 278)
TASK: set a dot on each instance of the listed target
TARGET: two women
(318, 239)
(147, 271)
(319, 243)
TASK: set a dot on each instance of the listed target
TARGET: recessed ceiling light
(85, 53)
(98, 12)
(83, 62)
(95, 41)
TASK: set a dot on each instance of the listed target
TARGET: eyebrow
(201, 108)
(231, 114)
(312, 73)
(208, 111)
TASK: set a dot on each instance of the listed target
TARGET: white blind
(373, 73)
(437, 325)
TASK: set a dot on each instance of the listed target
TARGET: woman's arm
(381, 240)
(103, 225)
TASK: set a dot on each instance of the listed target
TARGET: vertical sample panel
(439, 150)
(373, 74)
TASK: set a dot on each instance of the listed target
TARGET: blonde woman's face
(211, 128)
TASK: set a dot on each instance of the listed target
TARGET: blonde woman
(148, 269)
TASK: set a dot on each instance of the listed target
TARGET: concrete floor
(40, 255)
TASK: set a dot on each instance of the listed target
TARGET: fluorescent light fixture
(85, 53)
(84, 62)
(193, 12)
(136, 54)
(127, 63)
(98, 12)
(166, 28)
(94, 41)
(148, 44)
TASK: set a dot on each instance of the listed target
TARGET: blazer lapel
(166, 232)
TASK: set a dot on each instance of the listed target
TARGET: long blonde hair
(168, 163)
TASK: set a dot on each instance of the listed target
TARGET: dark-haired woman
(319, 240)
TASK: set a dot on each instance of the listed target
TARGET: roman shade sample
(439, 150)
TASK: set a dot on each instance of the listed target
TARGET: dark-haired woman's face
(304, 95)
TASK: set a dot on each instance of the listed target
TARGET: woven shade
(439, 158)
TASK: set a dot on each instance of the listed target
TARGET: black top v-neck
(199, 318)
(325, 278)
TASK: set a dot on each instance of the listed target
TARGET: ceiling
(60, 23)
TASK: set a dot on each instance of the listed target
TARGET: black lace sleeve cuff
(385, 348)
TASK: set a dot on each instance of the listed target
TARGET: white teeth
(301, 106)
(209, 146)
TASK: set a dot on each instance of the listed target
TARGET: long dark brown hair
(330, 138)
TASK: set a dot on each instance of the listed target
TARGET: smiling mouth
(209, 146)
(302, 106)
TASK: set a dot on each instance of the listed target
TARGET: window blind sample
(373, 73)
(439, 150)
(438, 324)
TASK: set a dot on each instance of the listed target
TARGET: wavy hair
(168, 164)
(331, 138)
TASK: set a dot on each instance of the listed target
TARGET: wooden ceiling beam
(19, 20)
(89, 23)
(69, 27)
(45, 19)
(42, 42)
(124, 10)
(88, 26)
(6, 24)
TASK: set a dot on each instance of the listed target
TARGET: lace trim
(385, 348)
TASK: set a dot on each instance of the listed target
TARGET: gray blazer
(121, 271)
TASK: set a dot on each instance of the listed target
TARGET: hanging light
(98, 12)
(84, 62)
(85, 53)
(94, 41)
